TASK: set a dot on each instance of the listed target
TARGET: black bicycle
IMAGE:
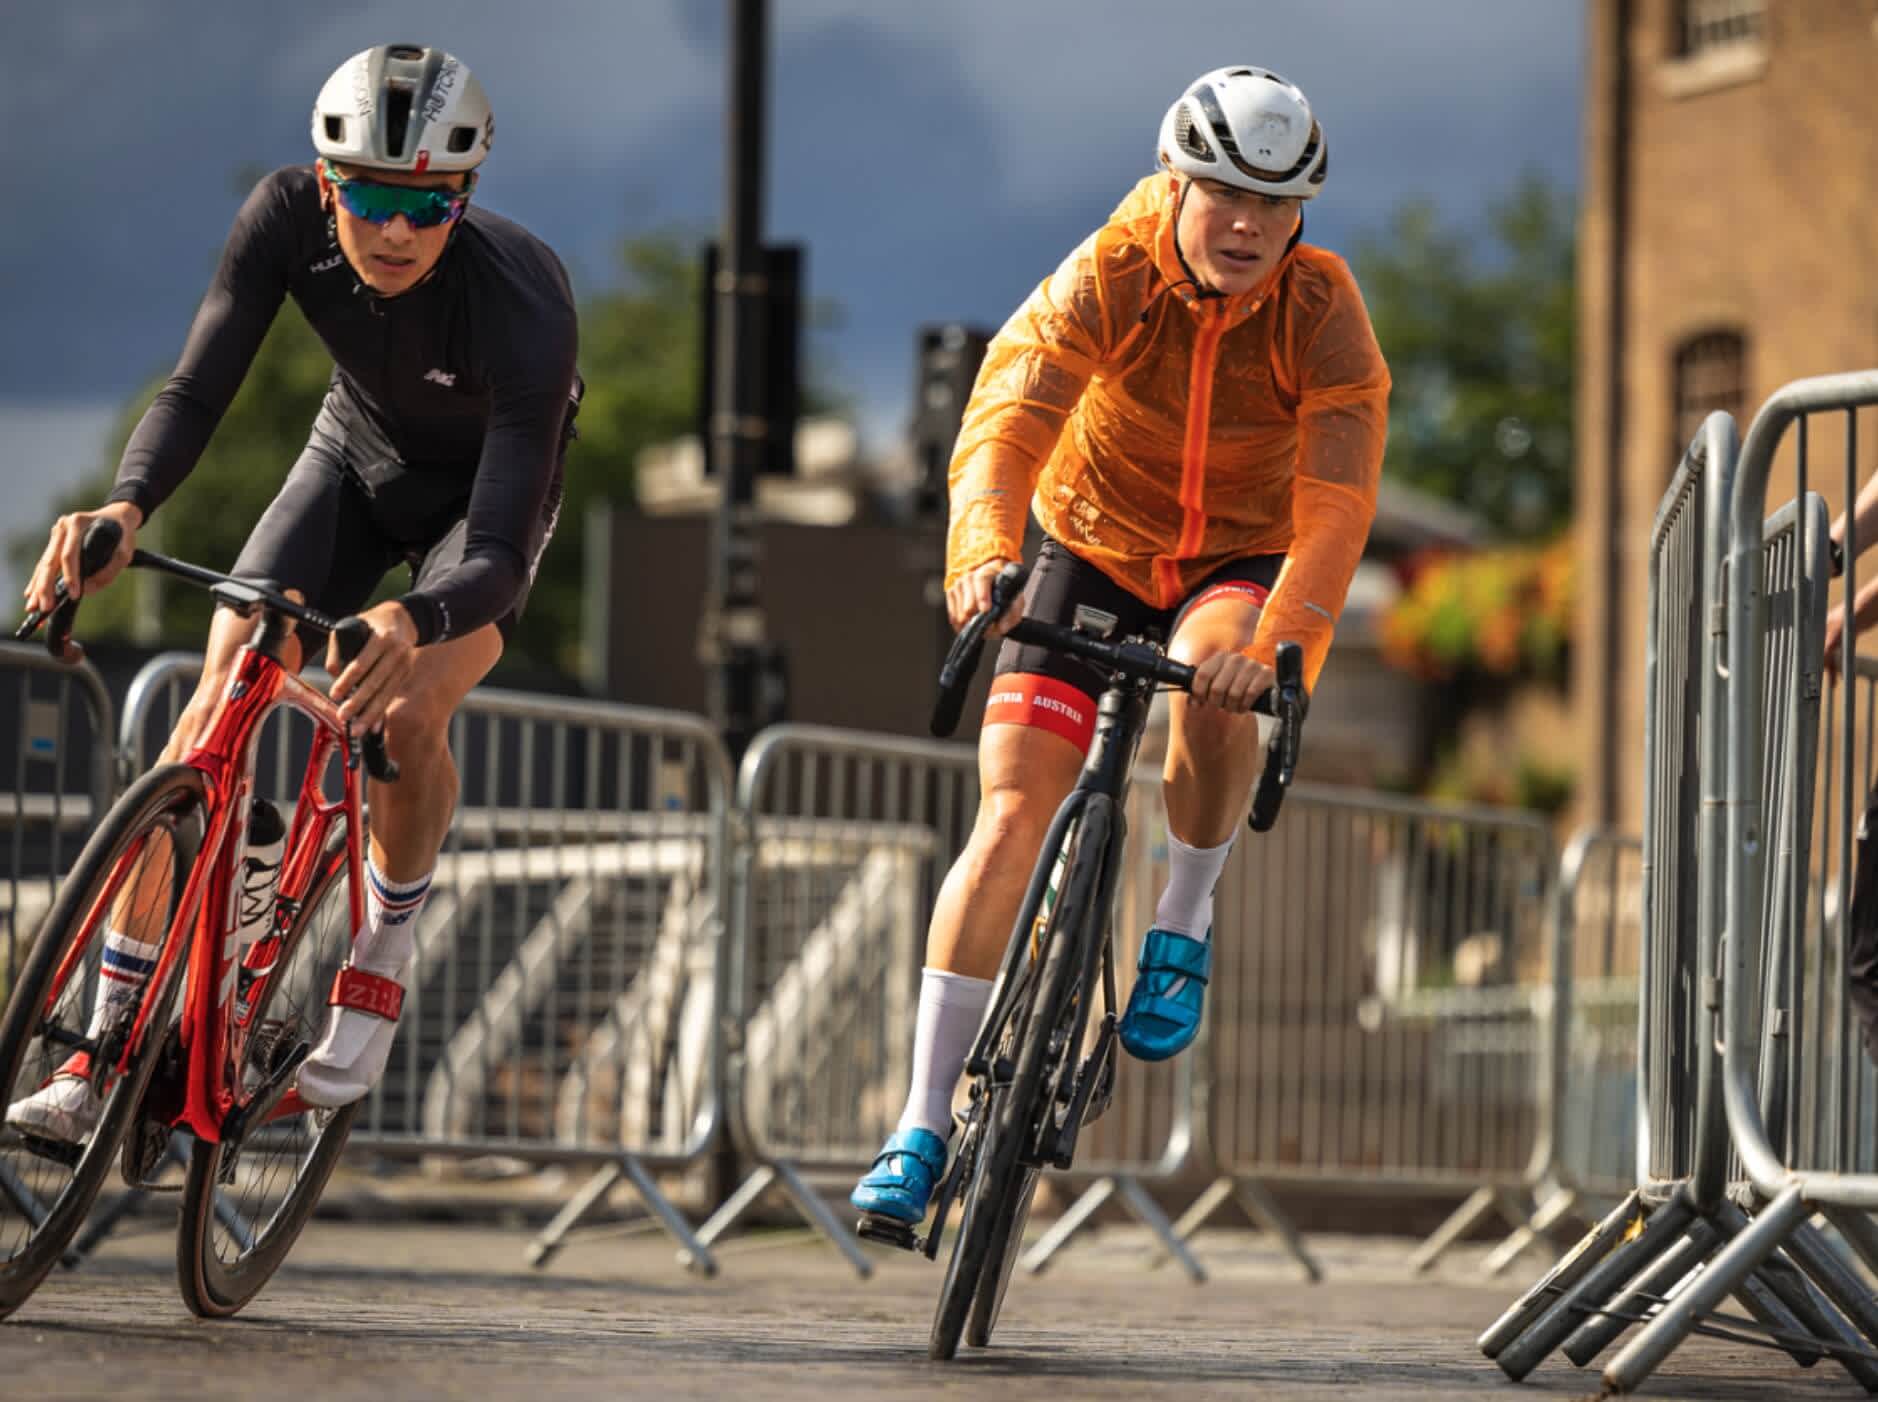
(1032, 1088)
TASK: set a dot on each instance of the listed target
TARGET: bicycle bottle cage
(1098, 623)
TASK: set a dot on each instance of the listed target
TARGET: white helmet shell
(403, 107)
(1246, 127)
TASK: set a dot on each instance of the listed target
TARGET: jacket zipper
(1192, 461)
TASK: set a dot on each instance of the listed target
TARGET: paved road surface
(402, 1312)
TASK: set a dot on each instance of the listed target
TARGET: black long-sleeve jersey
(467, 376)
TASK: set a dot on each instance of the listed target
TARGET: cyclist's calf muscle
(1024, 774)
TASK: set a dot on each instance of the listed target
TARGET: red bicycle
(162, 868)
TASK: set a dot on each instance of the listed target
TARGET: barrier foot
(1859, 1231)
(104, 1221)
(1813, 1255)
(1550, 1212)
(1461, 1221)
(1597, 1332)
(737, 1204)
(548, 1243)
(1259, 1206)
(27, 1204)
(1632, 1251)
(1067, 1225)
(694, 1254)
(1564, 1275)
(1677, 1320)
(809, 1203)
(1790, 1289)
(1140, 1202)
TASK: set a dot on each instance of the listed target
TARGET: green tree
(638, 354)
(1481, 349)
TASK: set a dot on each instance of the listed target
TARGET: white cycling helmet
(403, 107)
(1246, 127)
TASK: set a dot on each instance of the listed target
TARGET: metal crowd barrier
(1774, 642)
(1716, 565)
(1375, 1022)
(61, 779)
(564, 1003)
(1588, 1140)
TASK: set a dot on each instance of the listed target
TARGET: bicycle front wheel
(244, 1204)
(131, 878)
(997, 1197)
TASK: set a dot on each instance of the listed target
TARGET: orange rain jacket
(1158, 434)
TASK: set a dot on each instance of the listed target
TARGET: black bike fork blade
(1090, 1075)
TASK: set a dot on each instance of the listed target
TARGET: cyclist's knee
(414, 727)
(1012, 818)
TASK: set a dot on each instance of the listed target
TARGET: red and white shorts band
(1251, 591)
(1025, 698)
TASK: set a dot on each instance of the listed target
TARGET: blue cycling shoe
(1163, 1015)
(900, 1183)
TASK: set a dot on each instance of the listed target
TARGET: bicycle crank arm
(260, 1106)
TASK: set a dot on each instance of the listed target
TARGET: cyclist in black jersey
(439, 445)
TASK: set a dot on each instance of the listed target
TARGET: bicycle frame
(205, 920)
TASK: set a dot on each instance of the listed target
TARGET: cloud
(937, 159)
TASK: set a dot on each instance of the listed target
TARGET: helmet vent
(461, 140)
(404, 51)
(1188, 136)
(335, 129)
(397, 118)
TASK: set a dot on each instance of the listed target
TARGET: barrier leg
(1549, 1214)
(1663, 1229)
(1564, 1276)
(1259, 1206)
(1781, 1279)
(1140, 1202)
(578, 1208)
(1812, 1254)
(1461, 1221)
(807, 1202)
(28, 1205)
(1859, 1231)
(1067, 1225)
(1596, 1333)
(1661, 1337)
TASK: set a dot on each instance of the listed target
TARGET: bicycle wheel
(1071, 923)
(1009, 1114)
(245, 1204)
(131, 875)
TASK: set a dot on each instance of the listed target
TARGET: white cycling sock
(122, 971)
(351, 1058)
(950, 1009)
(1186, 906)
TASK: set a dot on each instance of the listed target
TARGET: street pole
(734, 629)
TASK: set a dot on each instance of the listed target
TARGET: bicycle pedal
(57, 1150)
(886, 1232)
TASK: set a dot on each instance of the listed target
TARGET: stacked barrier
(1729, 738)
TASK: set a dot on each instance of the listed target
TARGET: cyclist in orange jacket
(1193, 406)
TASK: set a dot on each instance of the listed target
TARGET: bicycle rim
(977, 1268)
(245, 1205)
(132, 875)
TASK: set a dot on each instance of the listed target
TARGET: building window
(1709, 375)
(1706, 25)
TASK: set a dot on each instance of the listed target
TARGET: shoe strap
(1164, 952)
(369, 993)
(903, 1145)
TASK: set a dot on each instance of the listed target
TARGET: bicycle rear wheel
(132, 876)
(244, 1204)
(996, 1199)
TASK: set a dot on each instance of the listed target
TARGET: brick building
(1728, 231)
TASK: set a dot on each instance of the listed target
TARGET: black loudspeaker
(948, 359)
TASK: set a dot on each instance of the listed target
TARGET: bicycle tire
(172, 796)
(1011, 1113)
(1007, 1234)
(215, 1288)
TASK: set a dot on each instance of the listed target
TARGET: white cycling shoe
(65, 1109)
